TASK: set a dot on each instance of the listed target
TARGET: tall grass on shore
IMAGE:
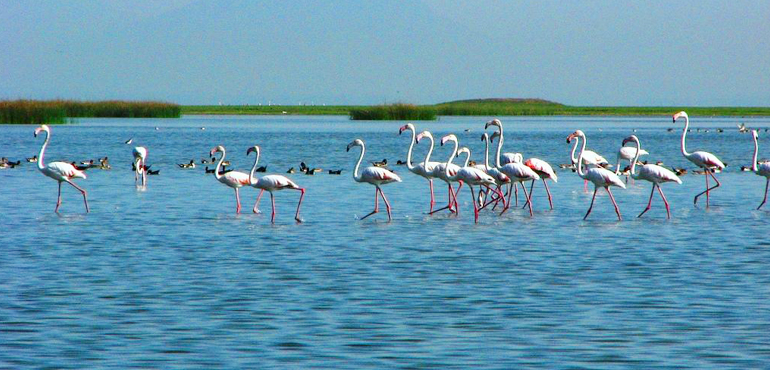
(395, 112)
(58, 111)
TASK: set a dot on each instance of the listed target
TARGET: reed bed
(395, 112)
(59, 111)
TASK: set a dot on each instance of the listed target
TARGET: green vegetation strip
(59, 111)
(478, 107)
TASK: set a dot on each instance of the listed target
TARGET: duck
(746, 168)
(187, 165)
(129, 141)
(79, 168)
(669, 129)
(212, 161)
(89, 163)
(335, 172)
(742, 128)
(222, 171)
(149, 172)
(291, 170)
(679, 171)
(33, 159)
(720, 130)
(261, 169)
(400, 163)
(312, 171)
(382, 163)
(302, 166)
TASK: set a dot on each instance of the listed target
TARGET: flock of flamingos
(508, 172)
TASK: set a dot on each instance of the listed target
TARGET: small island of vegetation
(59, 111)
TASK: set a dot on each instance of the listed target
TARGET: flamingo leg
(299, 204)
(585, 186)
(708, 189)
(475, 204)
(615, 204)
(516, 193)
(457, 205)
(665, 201)
(376, 203)
(82, 191)
(58, 200)
(592, 203)
(432, 198)
(272, 201)
(449, 203)
(649, 203)
(765, 199)
(528, 198)
(531, 188)
(387, 204)
(144, 174)
(508, 204)
(256, 205)
(548, 191)
(237, 201)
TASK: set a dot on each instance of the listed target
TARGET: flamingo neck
(430, 151)
(252, 180)
(40, 164)
(580, 157)
(636, 158)
(219, 165)
(756, 151)
(617, 163)
(572, 156)
(684, 134)
(356, 176)
(467, 158)
(409, 164)
(451, 158)
(486, 154)
(499, 147)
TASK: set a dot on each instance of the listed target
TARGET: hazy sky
(695, 52)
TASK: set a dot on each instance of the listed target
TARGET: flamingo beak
(249, 150)
(211, 153)
(402, 129)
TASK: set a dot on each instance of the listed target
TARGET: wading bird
(272, 183)
(233, 179)
(376, 176)
(601, 177)
(467, 175)
(763, 169)
(705, 160)
(424, 169)
(652, 173)
(140, 166)
(59, 171)
(439, 173)
(517, 172)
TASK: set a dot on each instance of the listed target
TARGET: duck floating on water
(187, 165)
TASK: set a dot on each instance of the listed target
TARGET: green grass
(399, 112)
(341, 110)
(476, 107)
(59, 111)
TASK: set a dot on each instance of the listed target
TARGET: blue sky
(369, 52)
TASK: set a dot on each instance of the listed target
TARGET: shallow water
(171, 277)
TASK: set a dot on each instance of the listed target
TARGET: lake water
(170, 277)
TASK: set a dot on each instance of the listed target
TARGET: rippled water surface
(170, 277)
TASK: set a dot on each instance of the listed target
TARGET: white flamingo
(501, 179)
(233, 179)
(272, 183)
(517, 171)
(652, 173)
(627, 153)
(600, 177)
(140, 164)
(545, 171)
(705, 160)
(590, 158)
(376, 176)
(438, 173)
(59, 171)
(763, 169)
(467, 174)
(424, 169)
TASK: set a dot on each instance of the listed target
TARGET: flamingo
(627, 153)
(376, 176)
(501, 179)
(438, 172)
(466, 174)
(545, 171)
(233, 179)
(272, 183)
(652, 173)
(763, 169)
(601, 177)
(424, 169)
(59, 171)
(705, 160)
(590, 158)
(517, 172)
(140, 164)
